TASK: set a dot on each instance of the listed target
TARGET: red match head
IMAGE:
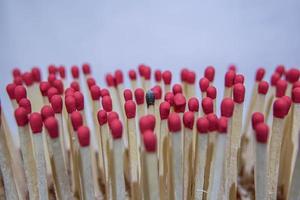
(44, 86)
(20, 92)
(58, 84)
(141, 69)
(79, 99)
(229, 78)
(90, 82)
(222, 125)
(263, 87)
(116, 129)
(75, 72)
(169, 97)
(107, 103)
(51, 125)
(179, 103)
(110, 80)
(293, 75)
(127, 94)
(95, 92)
(51, 78)
(209, 73)
(27, 78)
(150, 141)
(52, 69)
(147, 73)
(56, 103)
(112, 116)
(21, 116)
(157, 91)
(76, 120)
(213, 122)
(281, 87)
(16, 72)
(36, 74)
(280, 106)
(75, 85)
(10, 89)
(174, 122)
(36, 122)
(184, 74)
(296, 84)
(83, 134)
(147, 122)
(191, 77)
(211, 92)
(238, 93)
(232, 67)
(177, 88)
(69, 92)
(86, 69)
(104, 92)
(203, 84)
(130, 109)
(70, 103)
(139, 95)
(119, 77)
(164, 110)
(102, 117)
(62, 71)
(288, 101)
(18, 80)
(46, 112)
(260, 73)
(193, 104)
(262, 133)
(51, 92)
(188, 119)
(157, 75)
(202, 125)
(167, 77)
(25, 103)
(296, 95)
(257, 118)
(280, 69)
(227, 107)
(274, 78)
(239, 78)
(207, 105)
(132, 74)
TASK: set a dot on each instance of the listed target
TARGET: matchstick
(75, 73)
(147, 77)
(211, 92)
(209, 73)
(114, 92)
(177, 88)
(44, 87)
(21, 116)
(150, 100)
(26, 104)
(228, 83)
(184, 76)
(207, 105)
(83, 134)
(179, 103)
(190, 87)
(169, 97)
(20, 93)
(64, 187)
(174, 125)
(203, 85)
(36, 124)
(52, 69)
(239, 78)
(151, 165)
(132, 77)
(127, 93)
(86, 69)
(167, 79)
(75, 85)
(157, 91)
(139, 96)
(158, 77)
(261, 153)
(16, 72)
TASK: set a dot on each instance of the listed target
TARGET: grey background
(168, 34)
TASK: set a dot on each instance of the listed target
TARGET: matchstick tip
(20, 92)
(95, 92)
(179, 103)
(18, 80)
(174, 122)
(76, 120)
(16, 72)
(90, 82)
(25, 103)
(46, 112)
(36, 74)
(262, 133)
(75, 85)
(227, 106)
(296, 84)
(292, 75)
(127, 93)
(70, 104)
(58, 84)
(213, 122)
(281, 87)
(102, 117)
(169, 97)
(86, 69)
(110, 80)
(211, 92)
(62, 71)
(203, 84)
(232, 67)
(257, 118)
(207, 105)
(222, 125)
(147, 122)
(36, 122)
(191, 77)
(263, 87)
(157, 91)
(75, 72)
(239, 78)
(202, 125)
(147, 72)
(288, 100)
(79, 99)
(260, 73)
(52, 69)
(10, 89)
(209, 73)
(229, 78)
(193, 104)
(275, 78)
(164, 110)
(184, 74)
(167, 77)
(51, 92)
(188, 119)
(177, 88)
(69, 92)
(141, 69)
(21, 116)
(119, 78)
(107, 103)
(296, 95)
(111, 117)
(280, 108)
(116, 128)
(238, 93)
(150, 98)
(27, 78)
(150, 141)
(130, 109)
(157, 75)
(280, 69)
(83, 134)
(104, 92)
(132, 74)
(52, 127)
(51, 78)
(56, 103)
(44, 86)
(139, 96)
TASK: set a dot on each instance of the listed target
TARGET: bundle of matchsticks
(153, 140)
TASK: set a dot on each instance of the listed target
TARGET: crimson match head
(203, 84)
(222, 125)
(16, 72)
(174, 122)
(257, 118)
(36, 122)
(147, 73)
(139, 96)
(127, 94)
(274, 79)
(83, 134)
(52, 69)
(288, 101)
(292, 75)
(119, 77)
(177, 88)
(207, 105)
(86, 69)
(20, 92)
(44, 86)
(21, 116)
(62, 71)
(56, 103)
(27, 78)
(202, 125)
(70, 103)
(229, 78)
(296, 84)
(51, 125)
(25, 103)
(102, 117)
(36, 74)
(10, 89)
(90, 82)
(110, 80)
(147, 122)
(46, 112)
(132, 74)
(262, 133)
(95, 92)
(184, 74)
(69, 92)
(51, 78)
(167, 77)
(211, 92)
(75, 85)
(239, 78)
(164, 110)
(280, 107)
(169, 97)
(104, 92)
(281, 87)
(191, 77)
(280, 69)
(157, 91)
(263, 87)
(141, 69)
(157, 75)
(76, 120)
(18, 80)
(179, 103)
(260, 73)
(75, 72)
(150, 141)
(209, 73)
(193, 104)
(227, 106)
(239, 93)
(79, 99)
(130, 109)
(296, 95)
(213, 122)
(232, 67)
(116, 128)
(58, 84)
(51, 92)
(188, 119)
(111, 117)
(107, 103)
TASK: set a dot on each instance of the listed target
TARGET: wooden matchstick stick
(33, 95)
(184, 76)
(64, 187)
(36, 124)
(132, 77)
(139, 96)
(167, 79)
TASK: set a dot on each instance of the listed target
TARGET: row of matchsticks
(151, 143)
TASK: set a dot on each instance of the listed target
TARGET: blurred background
(112, 34)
